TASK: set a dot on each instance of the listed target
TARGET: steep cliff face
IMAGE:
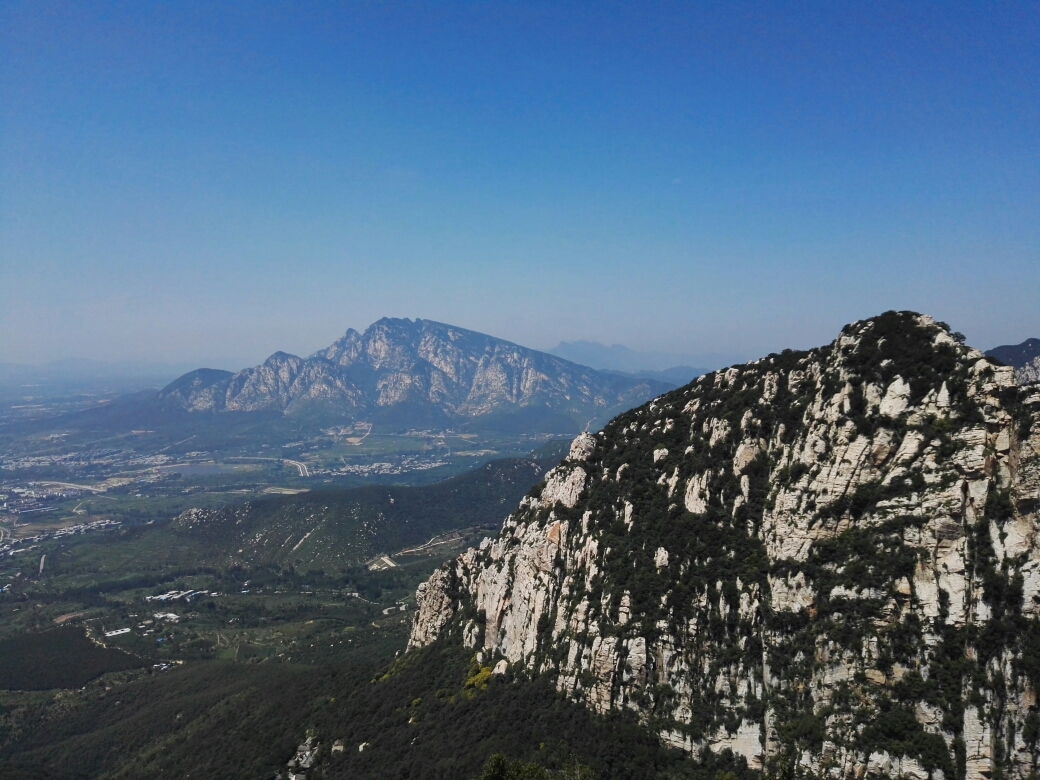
(452, 372)
(1029, 373)
(825, 561)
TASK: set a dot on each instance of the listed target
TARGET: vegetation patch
(59, 658)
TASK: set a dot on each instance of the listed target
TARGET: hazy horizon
(640, 360)
(193, 184)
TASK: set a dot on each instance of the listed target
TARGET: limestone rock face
(1028, 373)
(582, 447)
(563, 485)
(286, 382)
(444, 372)
(202, 390)
(826, 561)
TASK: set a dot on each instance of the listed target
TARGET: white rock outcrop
(1029, 373)
(563, 485)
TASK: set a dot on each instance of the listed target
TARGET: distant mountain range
(420, 372)
(667, 366)
(676, 375)
(1024, 357)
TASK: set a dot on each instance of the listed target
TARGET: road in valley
(302, 467)
(304, 471)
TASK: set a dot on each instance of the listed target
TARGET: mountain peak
(787, 558)
(433, 369)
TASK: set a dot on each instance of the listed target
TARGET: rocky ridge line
(444, 370)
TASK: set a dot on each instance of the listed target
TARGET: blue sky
(211, 182)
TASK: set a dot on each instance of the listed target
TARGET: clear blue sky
(210, 182)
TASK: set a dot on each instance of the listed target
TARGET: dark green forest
(430, 714)
(60, 658)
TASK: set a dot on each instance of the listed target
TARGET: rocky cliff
(1028, 373)
(436, 371)
(825, 561)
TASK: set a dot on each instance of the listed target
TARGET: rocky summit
(826, 562)
(417, 371)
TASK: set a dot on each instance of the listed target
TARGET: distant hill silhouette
(1017, 355)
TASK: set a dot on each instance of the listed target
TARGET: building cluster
(147, 626)
(82, 528)
(306, 754)
(306, 757)
(406, 465)
(92, 465)
(105, 456)
(11, 547)
(33, 497)
(176, 595)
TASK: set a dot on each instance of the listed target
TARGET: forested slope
(336, 529)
